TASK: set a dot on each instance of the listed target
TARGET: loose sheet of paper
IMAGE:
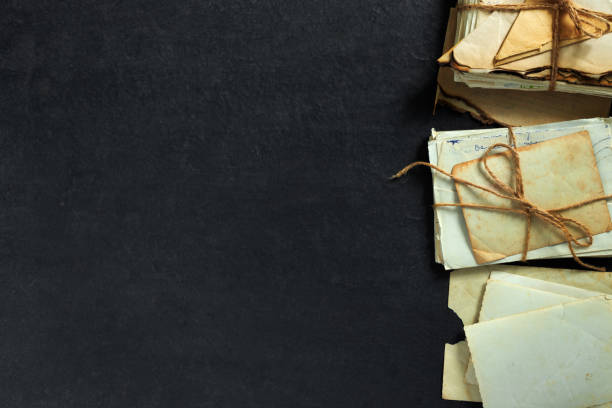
(568, 289)
(455, 360)
(503, 299)
(555, 357)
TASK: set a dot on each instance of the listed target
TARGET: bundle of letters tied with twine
(536, 45)
(515, 194)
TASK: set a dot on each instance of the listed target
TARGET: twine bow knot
(525, 207)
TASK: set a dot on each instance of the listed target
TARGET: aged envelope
(531, 34)
(466, 290)
(554, 357)
(557, 172)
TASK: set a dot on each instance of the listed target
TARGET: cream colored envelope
(557, 357)
(556, 173)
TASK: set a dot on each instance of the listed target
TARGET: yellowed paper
(556, 173)
(479, 48)
(531, 34)
(467, 286)
(518, 108)
(453, 387)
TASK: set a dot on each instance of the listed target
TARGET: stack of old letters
(497, 64)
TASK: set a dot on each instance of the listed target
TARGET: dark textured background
(194, 205)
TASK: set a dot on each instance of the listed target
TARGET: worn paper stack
(509, 106)
(536, 337)
(512, 49)
(562, 164)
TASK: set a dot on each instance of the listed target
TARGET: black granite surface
(194, 209)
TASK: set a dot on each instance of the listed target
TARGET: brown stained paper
(479, 48)
(531, 34)
(512, 107)
(556, 173)
(518, 108)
